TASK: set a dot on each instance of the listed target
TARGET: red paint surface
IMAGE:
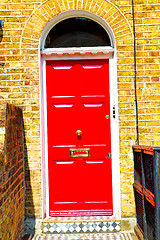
(78, 99)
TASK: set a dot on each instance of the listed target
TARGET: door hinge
(109, 155)
(114, 111)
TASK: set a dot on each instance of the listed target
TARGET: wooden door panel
(80, 179)
(83, 190)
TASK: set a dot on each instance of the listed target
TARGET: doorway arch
(79, 53)
(74, 14)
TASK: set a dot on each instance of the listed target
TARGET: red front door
(79, 138)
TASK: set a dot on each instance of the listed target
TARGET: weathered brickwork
(20, 74)
(12, 177)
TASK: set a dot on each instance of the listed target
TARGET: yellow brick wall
(19, 76)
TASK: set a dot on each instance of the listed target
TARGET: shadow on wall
(1, 33)
(29, 221)
(2, 59)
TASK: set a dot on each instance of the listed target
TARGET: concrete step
(86, 224)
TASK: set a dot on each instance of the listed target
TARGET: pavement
(85, 236)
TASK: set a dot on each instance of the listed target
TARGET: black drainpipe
(135, 75)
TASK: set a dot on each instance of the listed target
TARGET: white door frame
(81, 54)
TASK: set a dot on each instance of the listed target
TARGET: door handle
(79, 132)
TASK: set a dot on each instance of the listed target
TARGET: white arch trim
(82, 53)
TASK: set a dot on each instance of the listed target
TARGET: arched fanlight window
(77, 32)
